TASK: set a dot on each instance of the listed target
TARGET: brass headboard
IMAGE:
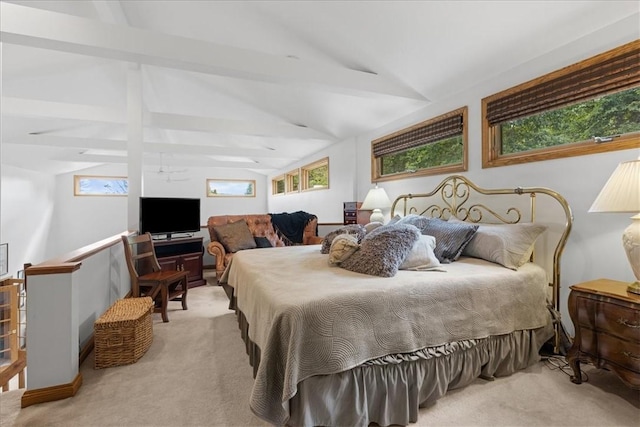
(458, 196)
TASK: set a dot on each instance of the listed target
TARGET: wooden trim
(49, 394)
(62, 268)
(490, 158)
(86, 350)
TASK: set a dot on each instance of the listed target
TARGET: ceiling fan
(167, 171)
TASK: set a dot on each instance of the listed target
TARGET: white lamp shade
(621, 193)
(376, 199)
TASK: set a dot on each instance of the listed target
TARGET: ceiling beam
(206, 124)
(192, 162)
(60, 110)
(149, 147)
(39, 28)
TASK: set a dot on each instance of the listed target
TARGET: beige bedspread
(311, 319)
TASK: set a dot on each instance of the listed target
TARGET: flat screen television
(169, 215)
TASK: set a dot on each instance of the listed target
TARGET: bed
(335, 347)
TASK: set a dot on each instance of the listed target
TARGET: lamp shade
(621, 193)
(376, 199)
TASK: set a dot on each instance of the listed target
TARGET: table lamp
(621, 193)
(376, 200)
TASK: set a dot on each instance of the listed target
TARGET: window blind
(418, 135)
(606, 73)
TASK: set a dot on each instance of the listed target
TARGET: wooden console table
(607, 323)
(182, 254)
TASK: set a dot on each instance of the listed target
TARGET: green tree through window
(609, 115)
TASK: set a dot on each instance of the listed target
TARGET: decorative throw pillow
(355, 229)
(451, 238)
(421, 256)
(372, 226)
(394, 219)
(235, 236)
(382, 254)
(262, 242)
(342, 247)
(413, 219)
(510, 245)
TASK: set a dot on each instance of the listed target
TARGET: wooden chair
(148, 279)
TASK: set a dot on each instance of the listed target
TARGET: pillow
(451, 238)
(509, 245)
(421, 256)
(372, 226)
(394, 220)
(355, 229)
(413, 219)
(235, 236)
(342, 247)
(262, 242)
(382, 254)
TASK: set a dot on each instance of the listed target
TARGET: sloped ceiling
(252, 85)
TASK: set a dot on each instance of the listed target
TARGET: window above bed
(435, 146)
(589, 107)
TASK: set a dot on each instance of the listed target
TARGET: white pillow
(509, 245)
(421, 256)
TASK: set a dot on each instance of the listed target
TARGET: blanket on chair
(290, 226)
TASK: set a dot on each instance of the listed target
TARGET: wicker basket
(124, 333)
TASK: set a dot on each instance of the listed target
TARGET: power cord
(559, 363)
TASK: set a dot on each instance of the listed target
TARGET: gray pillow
(509, 245)
(413, 219)
(382, 254)
(235, 236)
(355, 229)
(451, 238)
(262, 242)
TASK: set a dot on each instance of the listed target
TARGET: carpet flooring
(196, 373)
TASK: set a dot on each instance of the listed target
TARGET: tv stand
(182, 253)
(171, 236)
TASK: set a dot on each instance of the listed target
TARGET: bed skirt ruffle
(391, 389)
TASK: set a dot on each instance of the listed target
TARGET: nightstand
(607, 329)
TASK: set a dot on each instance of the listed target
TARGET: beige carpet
(196, 373)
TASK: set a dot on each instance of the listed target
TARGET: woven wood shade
(420, 135)
(612, 74)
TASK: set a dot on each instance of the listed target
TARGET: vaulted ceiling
(252, 85)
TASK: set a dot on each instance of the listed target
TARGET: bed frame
(459, 197)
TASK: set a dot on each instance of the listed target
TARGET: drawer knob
(631, 355)
(625, 322)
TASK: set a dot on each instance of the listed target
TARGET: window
(231, 188)
(277, 185)
(293, 181)
(315, 176)
(432, 147)
(589, 107)
(84, 185)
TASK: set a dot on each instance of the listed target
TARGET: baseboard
(49, 394)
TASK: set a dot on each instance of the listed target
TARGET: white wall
(326, 204)
(594, 249)
(27, 201)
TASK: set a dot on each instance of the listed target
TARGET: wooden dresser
(607, 329)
